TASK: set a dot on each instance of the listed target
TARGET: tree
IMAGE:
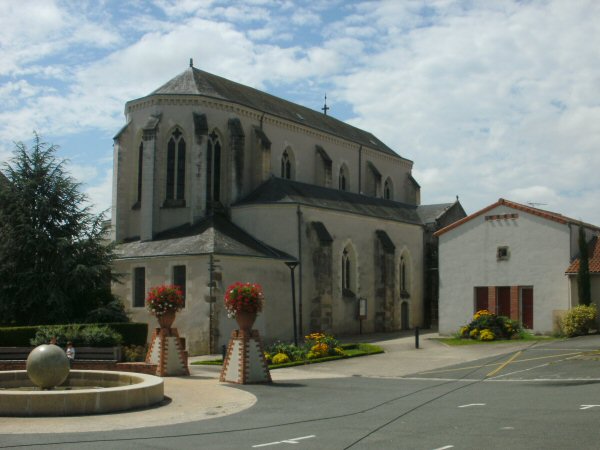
(583, 274)
(55, 266)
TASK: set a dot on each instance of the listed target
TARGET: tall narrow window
(343, 178)
(213, 173)
(139, 287)
(179, 279)
(176, 166)
(181, 169)
(346, 266)
(286, 166)
(404, 285)
(140, 172)
(388, 190)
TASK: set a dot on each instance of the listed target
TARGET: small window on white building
(502, 254)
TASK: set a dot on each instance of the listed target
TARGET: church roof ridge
(194, 81)
(280, 191)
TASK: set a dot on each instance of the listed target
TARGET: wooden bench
(81, 353)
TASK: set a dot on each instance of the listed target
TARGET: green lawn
(350, 351)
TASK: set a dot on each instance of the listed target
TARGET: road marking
(506, 363)
(444, 448)
(497, 364)
(507, 428)
(588, 406)
(285, 441)
(472, 404)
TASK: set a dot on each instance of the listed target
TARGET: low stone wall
(137, 367)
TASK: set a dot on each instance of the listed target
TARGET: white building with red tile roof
(511, 259)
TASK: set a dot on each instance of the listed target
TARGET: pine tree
(583, 274)
(54, 264)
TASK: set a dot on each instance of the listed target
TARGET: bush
(89, 335)
(488, 327)
(133, 333)
(281, 358)
(579, 320)
(134, 353)
(100, 336)
(17, 336)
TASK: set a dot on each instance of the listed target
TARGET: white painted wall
(539, 254)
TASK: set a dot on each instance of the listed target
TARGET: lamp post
(292, 265)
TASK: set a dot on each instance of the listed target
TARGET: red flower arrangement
(164, 298)
(243, 297)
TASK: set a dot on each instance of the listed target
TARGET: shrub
(17, 336)
(281, 358)
(321, 344)
(133, 333)
(89, 335)
(486, 335)
(99, 336)
(62, 333)
(134, 353)
(495, 327)
(579, 320)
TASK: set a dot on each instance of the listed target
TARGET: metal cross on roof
(325, 108)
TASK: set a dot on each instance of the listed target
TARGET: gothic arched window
(287, 165)
(213, 173)
(388, 189)
(346, 269)
(176, 166)
(404, 277)
(349, 279)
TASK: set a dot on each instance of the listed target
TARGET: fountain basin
(97, 392)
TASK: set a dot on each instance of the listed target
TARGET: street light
(292, 265)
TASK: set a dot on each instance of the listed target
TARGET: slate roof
(549, 215)
(194, 81)
(430, 213)
(214, 234)
(594, 258)
(281, 191)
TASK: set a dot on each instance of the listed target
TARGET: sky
(490, 99)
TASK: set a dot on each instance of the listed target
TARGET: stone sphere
(47, 366)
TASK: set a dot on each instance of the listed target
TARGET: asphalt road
(543, 397)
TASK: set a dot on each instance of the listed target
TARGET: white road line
(588, 406)
(444, 448)
(472, 404)
(285, 441)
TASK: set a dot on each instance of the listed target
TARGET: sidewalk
(201, 396)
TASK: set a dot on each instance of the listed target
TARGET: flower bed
(486, 326)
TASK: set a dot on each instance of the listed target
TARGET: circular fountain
(47, 389)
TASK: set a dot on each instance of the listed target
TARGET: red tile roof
(594, 258)
(528, 209)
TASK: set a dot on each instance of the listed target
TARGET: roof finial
(325, 108)
(191, 62)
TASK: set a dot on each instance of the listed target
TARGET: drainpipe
(261, 120)
(299, 215)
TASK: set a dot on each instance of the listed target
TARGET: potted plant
(243, 301)
(163, 302)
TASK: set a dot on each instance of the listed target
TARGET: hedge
(133, 334)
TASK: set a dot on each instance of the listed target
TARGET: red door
(481, 298)
(503, 297)
(527, 307)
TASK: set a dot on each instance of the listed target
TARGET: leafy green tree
(55, 265)
(583, 274)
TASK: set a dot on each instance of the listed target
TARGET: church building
(216, 182)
